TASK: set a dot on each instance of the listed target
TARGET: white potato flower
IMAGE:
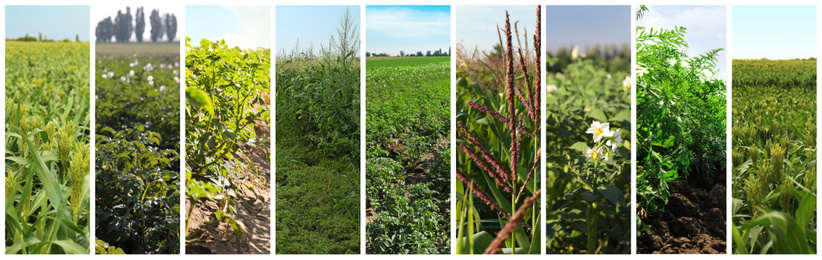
(598, 130)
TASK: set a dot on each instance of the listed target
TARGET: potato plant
(47, 148)
(223, 99)
(407, 118)
(137, 154)
(498, 160)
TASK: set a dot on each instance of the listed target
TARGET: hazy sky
(100, 12)
(587, 25)
(313, 24)
(705, 28)
(55, 22)
(247, 27)
(774, 32)
(392, 29)
(477, 25)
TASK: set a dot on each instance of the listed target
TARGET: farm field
(227, 149)
(318, 142)
(47, 148)
(681, 145)
(137, 152)
(140, 49)
(408, 155)
(774, 156)
(498, 100)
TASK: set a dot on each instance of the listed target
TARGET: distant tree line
(613, 57)
(42, 38)
(418, 54)
(121, 27)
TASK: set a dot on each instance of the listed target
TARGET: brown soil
(694, 222)
(209, 236)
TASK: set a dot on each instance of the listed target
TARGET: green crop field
(47, 148)
(407, 152)
(137, 171)
(774, 156)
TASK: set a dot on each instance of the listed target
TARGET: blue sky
(477, 25)
(100, 12)
(247, 27)
(705, 28)
(312, 25)
(568, 26)
(774, 32)
(55, 22)
(392, 29)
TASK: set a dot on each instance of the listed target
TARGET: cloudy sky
(587, 25)
(247, 27)
(55, 22)
(705, 28)
(313, 25)
(477, 25)
(774, 32)
(100, 12)
(392, 29)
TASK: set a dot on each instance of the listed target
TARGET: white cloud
(255, 22)
(397, 22)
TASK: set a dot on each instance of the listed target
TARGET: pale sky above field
(55, 22)
(587, 25)
(477, 24)
(705, 28)
(247, 27)
(392, 29)
(313, 25)
(100, 12)
(774, 32)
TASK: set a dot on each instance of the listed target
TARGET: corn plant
(498, 196)
(47, 154)
(223, 99)
(774, 157)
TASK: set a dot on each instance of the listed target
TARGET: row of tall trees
(418, 54)
(124, 25)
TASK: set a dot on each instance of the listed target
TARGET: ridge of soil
(209, 236)
(693, 223)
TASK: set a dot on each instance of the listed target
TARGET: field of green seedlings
(774, 157)
(137, 171)
(498, 195)
(681, 146)
(588, 162)
(318, 147)
(47, 148)
(227, 149)
(408, 155)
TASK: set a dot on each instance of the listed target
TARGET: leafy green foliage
(318, 138)
(137, 155)
(680, 116)
(234, 81)
(407, 118)
(774, 156)
(47, 154)
(588, 203)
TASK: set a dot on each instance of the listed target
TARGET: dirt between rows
(694, 222)
(209, 236)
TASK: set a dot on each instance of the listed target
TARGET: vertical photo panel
(318, 129)
(498, 115)
(588, 129)
(227, 122)
(408, 90)
(47, 139)
(137, 120)
(681, 129)
(774, 129)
